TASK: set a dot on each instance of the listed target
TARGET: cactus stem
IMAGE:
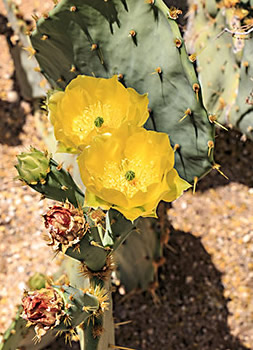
(196, 179)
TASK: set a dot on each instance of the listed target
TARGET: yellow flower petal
(130, 170)
(138, 107)
(93, 201)
(176, 186)
(92, 106)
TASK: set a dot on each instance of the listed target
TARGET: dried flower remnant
(43, 309)
(67, 226)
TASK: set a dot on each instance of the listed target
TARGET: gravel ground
(206, 284)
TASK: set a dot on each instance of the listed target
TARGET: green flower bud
(33, 166)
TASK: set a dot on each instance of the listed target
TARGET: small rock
(12, 96)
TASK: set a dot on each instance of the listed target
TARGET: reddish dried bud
(42, 308)
(67, 225)
(58, 219)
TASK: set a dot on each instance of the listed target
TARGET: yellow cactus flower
(130, 170)
(91, 106)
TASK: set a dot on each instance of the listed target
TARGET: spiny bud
(33, 166)
(67, 225)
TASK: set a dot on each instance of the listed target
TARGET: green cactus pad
(81, 306)
(224, 62)
(137, 41)
(242, 112)
(93, 256)
(136, 257)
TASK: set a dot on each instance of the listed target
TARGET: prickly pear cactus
(224, 61)
(103, 38)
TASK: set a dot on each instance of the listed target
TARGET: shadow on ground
(12, 119)
(192, 313)
(236, 159)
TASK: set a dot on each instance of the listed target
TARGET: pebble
(12, 96)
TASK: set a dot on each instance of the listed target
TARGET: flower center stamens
(99, 121)
(130, 175)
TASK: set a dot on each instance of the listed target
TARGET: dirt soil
(204, 299)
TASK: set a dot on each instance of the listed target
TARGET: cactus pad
(224, 61)
(104, 38)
